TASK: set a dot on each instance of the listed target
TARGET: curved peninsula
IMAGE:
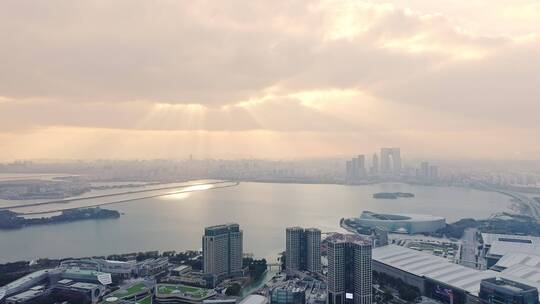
(12, 220)
(392, 195)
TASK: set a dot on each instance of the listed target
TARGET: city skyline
(270, 152)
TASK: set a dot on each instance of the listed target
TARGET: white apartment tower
(222, 251)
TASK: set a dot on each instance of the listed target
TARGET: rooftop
(221, 229)
(130, 290)
(27, 279)
(490, 238)
(82, 285)
(27, 295)
(508, 284)
(503, 244)
(184, 291)
(352, 238)
(437, 268)
(368, 215)
(254, 299)
(512, 259)
(182, 268)
(440, 269)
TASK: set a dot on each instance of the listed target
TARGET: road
(533, 205)
(469, 248)
(67, 206)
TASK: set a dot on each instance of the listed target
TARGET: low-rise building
(174, 293)
(503, 291)
(254, 299)
(153, 266)
(288, 295)
(495, 246)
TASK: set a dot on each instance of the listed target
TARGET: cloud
(366, 71)
(208, 53)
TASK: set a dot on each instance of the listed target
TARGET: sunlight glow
(421, 43)
(185, 193)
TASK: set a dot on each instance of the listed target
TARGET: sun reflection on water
(185, 193)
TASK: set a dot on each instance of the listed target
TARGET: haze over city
(295, 79)
(270, 152)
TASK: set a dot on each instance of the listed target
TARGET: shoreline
(130, 199)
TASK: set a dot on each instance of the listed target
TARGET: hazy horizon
(282, 80)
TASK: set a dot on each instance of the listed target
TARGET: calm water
(176, 222)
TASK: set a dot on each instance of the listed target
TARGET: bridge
(533, 205)
(274, 265)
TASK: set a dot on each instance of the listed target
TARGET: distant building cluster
(388, 165)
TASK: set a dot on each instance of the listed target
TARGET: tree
(233, 290)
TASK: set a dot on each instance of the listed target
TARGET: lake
(263, 210)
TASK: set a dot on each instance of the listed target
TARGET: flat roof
(490, 238)
(347, 237)
(83, 285)
(27, 279)
(181, 267)
(501, 248)
(183, 290)
(512, 259)
(401, 217)
(433, 267)
(26, 295)
(440, 269)
(254, 299)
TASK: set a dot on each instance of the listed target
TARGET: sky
(140, 79)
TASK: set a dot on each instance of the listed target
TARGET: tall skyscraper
(396, 161)
(424, 170)
(386, 167)
(222, 251)
(313, 250)
(295, 245)
(356, 169)
(391, 161)
(349, 270)
(349, 171)
(303, 249)
(361, 173)
(355, 166)
(433, 173)
(375, 164)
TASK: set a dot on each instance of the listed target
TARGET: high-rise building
(361, 170)
(380, 236)
(294, 247)
(349, 269)
(375, 164)
(391, 161)
(313, 250)
(303, 249)
(385, 160)
(349, 170)
(222, 251)
(433, 173)
(424, 170)
(396, 161)
(503, 291)
(356, 168)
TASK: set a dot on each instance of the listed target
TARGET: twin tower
(303, 250)
(349, 276)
